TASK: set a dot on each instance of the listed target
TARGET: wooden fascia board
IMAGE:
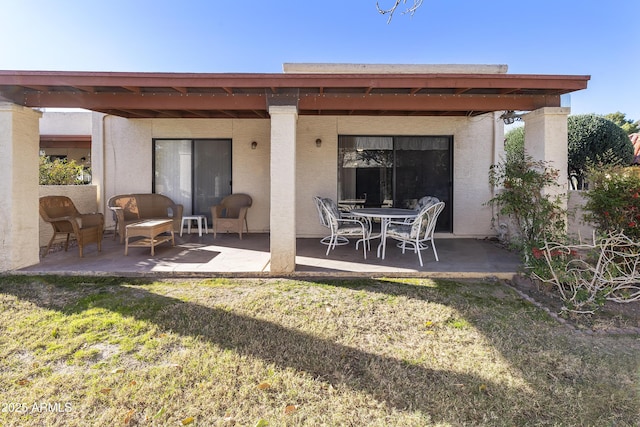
(57, 138)
(257, 102)
(239, 80)
(65, 141)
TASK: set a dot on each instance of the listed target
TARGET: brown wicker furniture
(61, 213)
(150, 230)
(130, 208)
(231, 214)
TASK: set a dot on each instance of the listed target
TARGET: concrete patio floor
(228, 256)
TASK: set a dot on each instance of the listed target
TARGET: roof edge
(348, 68)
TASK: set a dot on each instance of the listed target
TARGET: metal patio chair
(419, 232)
(341, 226)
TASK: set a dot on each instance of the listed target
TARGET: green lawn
(380, 352)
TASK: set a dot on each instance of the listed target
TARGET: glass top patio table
(385, 215)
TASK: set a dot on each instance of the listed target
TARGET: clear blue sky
(582, 37)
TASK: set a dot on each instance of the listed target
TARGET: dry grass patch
(107, 351)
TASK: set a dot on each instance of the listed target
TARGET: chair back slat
(324, 220)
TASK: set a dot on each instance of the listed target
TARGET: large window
(194, 173)
(396, 171)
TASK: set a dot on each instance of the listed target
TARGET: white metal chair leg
(340, 241)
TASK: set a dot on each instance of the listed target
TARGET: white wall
(128, 159)
(128, 154)
(577, 228)
(66, 123)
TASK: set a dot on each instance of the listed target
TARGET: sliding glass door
(396, 171)
(194, 173)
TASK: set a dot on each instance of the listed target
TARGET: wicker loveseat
(130, 208)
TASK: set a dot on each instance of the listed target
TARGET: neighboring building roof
(394, 68)
(411, 92)
(635, 140)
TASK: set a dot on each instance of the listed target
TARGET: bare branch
(411, 10)
(583, 274)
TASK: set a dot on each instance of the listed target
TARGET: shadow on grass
(446, 396)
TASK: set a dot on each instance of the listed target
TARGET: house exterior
(367, 134)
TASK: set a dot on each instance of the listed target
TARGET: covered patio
(284, 130)
(228, 256)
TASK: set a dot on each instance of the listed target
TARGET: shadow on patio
(195, 256)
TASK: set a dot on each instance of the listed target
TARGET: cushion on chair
(404, 231)
(333, 211)
(426, 201)
(349, 228)
(332, 206)
(418, 226)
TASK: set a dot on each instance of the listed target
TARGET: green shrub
(60, 172)
(595, 140)
(536, 215)
(613, 200)
(514, 142)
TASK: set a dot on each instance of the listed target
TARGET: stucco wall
(546, 139)
(576, 226)
(18, 174)
(128, 155)
(66, 123)
(128, 160)
(83, 196)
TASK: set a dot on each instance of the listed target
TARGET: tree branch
(391, 11)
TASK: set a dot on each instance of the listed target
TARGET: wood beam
(161, 101)
(310, 102)
(428, 102)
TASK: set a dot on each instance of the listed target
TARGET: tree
(392, 9)
(629, 126)
(592, 140)
(60, 172)
(514, 142)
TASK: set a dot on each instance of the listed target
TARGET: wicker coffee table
(150, 230)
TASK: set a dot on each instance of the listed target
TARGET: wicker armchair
(61, 213)
(231, 214)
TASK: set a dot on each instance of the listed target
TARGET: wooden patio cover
(249, 95)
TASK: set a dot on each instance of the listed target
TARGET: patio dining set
(411, 228)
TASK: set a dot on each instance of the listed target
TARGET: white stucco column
(283, 188)
(19, 218)
(97, 160)
(546, 139)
